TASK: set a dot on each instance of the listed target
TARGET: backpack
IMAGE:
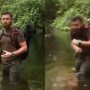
(29, 32)
(24, 55)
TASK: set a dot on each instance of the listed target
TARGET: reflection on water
(59, 64)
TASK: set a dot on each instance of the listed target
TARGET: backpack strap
(14, 35)
(14, 39)
(1, 33)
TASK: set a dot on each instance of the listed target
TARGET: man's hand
(75, 41)
(6, 56)
(78, 50)
(75, 46)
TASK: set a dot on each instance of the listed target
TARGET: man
(80, 36)
(10, 54)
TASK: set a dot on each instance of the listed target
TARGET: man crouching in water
(10, 54)
(80, 36)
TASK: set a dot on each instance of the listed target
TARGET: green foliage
(63, 21)
(65, 5)
(24, 11)
(68, 9)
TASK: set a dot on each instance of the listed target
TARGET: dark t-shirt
(83, 34)
(6, 42)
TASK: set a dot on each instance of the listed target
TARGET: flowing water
(59, 73)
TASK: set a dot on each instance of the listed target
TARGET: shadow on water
(59, 63)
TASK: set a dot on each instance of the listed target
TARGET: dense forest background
(57, 12)
(60, 12)
(24, 11)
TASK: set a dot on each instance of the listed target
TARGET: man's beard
(77, 29)
(7, 26)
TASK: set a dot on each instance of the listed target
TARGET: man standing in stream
(10, 56)
(80, 42)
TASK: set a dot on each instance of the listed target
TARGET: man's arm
(76, 48)
(85, 43)
(23, 48)
(82, 43)
(8, 55)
